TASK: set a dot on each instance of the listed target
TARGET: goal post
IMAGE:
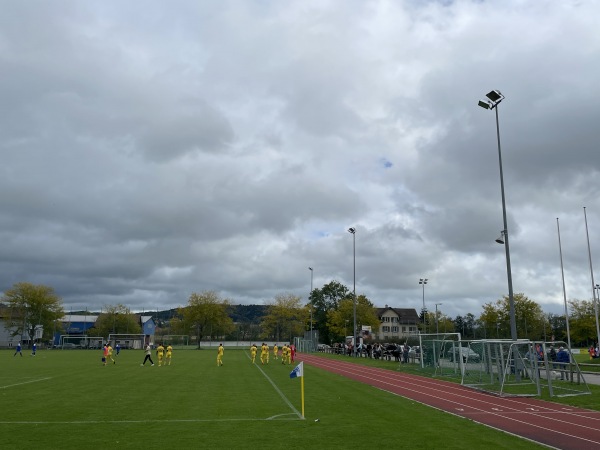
(84, 341)
(177, 340)
(127, 341)
(435, 348)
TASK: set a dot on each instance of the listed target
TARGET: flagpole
(302, 389)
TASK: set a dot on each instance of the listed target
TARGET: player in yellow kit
(220, 352)
(110, 350)
(275, 351)
(264, 354)
(169, 354)
(253, 351)
(160, 351)
(284, 351)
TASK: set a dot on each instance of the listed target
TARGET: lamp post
(495, 97)
(353, 232)
(562, 272)
(592, 276)
(437, 331)
(423, 281)
(597, 288)
(311, 307)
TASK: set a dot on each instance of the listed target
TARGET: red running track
(552, 424)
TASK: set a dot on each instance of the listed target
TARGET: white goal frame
(174, 339)
(134, 341)
(81, 341)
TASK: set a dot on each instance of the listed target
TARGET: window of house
(386, 329)
(395, 329)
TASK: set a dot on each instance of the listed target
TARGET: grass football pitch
(66, 399)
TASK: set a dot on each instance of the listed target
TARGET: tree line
(30, 308)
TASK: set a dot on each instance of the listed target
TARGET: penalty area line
(25, 382)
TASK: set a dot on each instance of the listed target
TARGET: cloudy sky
(154, 149)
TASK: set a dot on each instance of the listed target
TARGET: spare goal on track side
(521, 368)
(435, 348)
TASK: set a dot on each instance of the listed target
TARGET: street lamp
(495, 97)
(597, 298)
(592, 276)
(311, 306)
(353, 232)
(437, 331)
(423, 281)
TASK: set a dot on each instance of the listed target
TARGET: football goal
(175, 340)
(522, 368)
(68, 341)
(438, 353)
(128, 341)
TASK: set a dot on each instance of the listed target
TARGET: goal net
(175, 340)
(522, 368)
(438, 353)
(80, 341)
(128, 341)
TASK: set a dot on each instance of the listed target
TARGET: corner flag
(298, 371)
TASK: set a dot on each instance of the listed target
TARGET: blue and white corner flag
(298, 371)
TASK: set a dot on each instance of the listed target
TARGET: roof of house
(79, 318)
(404, 314)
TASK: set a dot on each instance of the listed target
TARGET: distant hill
(247, 313)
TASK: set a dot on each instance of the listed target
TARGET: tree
(529, 318)
(324, 300)
(206, 314)
(285, 318)
(31, 307)
(558, 327)
(366, 314)
(117, 319)
(490, 320)
(582, 323)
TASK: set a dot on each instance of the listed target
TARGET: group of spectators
(558, 359)
(398, 352)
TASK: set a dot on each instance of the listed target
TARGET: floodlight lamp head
(352, 230)
(310, 268)
(485, 105)
(495, 96)
(500, 239)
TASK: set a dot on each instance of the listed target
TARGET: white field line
(285, 399)
(93, 422)
(84, 422)
(25, 382)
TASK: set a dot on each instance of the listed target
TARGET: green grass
(66, 399)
